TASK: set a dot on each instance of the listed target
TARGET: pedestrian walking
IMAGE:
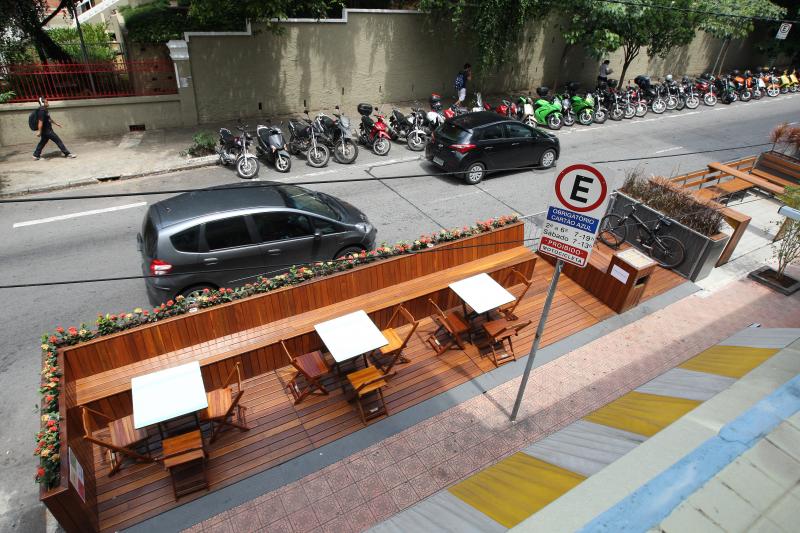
(605, 70)
(43, 125)
(461, 84)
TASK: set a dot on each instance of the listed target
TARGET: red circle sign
(581, 209)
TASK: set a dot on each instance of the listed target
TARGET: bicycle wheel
(613, 230)
(668, 251)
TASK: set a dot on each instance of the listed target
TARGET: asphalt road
(104, 244)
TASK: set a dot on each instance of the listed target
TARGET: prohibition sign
(572, 172)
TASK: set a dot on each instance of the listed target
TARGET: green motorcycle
(576, 106)
(547, 112)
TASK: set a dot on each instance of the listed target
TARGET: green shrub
(6, 96)
(95, 36)
(203, 143)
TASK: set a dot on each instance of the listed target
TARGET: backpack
(460, 81)
(33, 120)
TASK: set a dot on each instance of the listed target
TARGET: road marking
(668, 149)
(76, 215)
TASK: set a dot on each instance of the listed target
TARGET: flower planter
(702, 252)
(767, 276)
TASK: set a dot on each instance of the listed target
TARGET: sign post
(579, 201)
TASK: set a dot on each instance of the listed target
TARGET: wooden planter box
(702, 252)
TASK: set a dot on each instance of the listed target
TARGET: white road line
(76, 215)
(668, 149)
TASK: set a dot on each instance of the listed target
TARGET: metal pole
(83, 47)
(539, 332)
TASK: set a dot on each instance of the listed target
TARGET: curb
(197, 162)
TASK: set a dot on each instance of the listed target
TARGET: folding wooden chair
(224, 403)
(499, 332)
(453, 323)
(515, 277)
(311, 366)
(124, 438)
(392, 353)
(181, 453)
(364, 382)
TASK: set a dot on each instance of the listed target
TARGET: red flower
(170, 303)
(59, 329)
(53, 339)
(40, 472)
(206, 291)
(72, 331)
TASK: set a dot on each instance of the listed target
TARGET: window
(188, 240)
(278, 226)
(493, 132)
(453, 133)
(227, 233)
(325, 227)
(305, 200)
(150, 237)
(518, 131)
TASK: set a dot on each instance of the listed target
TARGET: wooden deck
(281, 431)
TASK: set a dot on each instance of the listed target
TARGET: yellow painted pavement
(730, 361)
(645, 414)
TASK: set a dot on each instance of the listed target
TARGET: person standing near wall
(44, 130)
(605, 70)
(461, 84)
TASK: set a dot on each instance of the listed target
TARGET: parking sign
(783, 31)
(579, 198)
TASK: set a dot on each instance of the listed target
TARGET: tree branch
(61, 5)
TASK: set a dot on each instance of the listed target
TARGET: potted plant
(785, 252)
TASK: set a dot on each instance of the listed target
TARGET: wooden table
(482, 294)
(168, 394)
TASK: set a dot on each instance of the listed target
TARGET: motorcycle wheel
(671, 103)
(710, 99)
(585, 118)
(283, 163)
(641, 109)
(629, 112)
(746, 96)
(773, 91)
(757, 94)
(381, 146)
(247, 167)
(793, 89)
(318, 156)
(616, 114)
(416, 141)
(658, 106)
(600, 116)
(568, 119)
(784, 89)
(345, 151)
(222, 160)
(681, 104)
(692, 102)
(555, 121)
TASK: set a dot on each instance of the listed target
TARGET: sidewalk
(373, 485)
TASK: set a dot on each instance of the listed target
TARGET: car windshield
(453, 133)
(305, 200)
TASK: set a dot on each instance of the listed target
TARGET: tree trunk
(631, 52)
(564, 54)
(726, 46)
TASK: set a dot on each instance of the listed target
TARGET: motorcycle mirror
(305, 111)
(336, 108)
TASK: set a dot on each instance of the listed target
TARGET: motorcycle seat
(367, 121)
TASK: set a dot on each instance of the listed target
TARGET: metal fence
(70, 81)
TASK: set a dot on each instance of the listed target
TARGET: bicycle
(668, 251)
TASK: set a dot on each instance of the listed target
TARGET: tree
(766, 31)
(788, 249)
(26, 19)
(267, 12)
(493, 26)
(604, 27)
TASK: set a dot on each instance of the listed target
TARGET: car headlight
(364, 227)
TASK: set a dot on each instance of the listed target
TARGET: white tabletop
(167, 394)
(482, 293)
(350, 335)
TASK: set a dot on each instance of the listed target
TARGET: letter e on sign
(581, 188)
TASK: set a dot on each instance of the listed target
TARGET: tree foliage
(493, 26)
(24, 20)
(736, 27)
(772, 47)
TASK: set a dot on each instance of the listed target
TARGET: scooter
(235, 150)
(373, 133)
(525, 110)
(272, 147)
(337, 136)
(546, 111)
(303, 138)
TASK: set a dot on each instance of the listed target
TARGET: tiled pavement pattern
(517, 487)
(375, 484)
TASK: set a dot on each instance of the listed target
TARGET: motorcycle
(304, 138)
(726, 90)
(337, 137)
(373, 133)
(754, 84)
(272, 147)
(525, 110)
(409, 127)
(600, 114)
(786, 83)
(740, 86)
(547, 111)
(236, 150)
(771, 82)
(671, 93)
(687, 95)
(650, 94)
(435, 117)
(610, 99)
(582, 108)
(704, 85)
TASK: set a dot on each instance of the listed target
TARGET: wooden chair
(181, 454)
(124, 438)
(499, 332)
(311, 366)
(453, 323)
(224, 403)
(364, 382)
(394, 350)
(515, 277)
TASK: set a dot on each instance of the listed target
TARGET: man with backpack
(461, 84)
(40, 121)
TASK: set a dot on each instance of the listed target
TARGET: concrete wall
(92, 118)
(392, 57)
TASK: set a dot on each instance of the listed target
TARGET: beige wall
(391, 57)
(92, 118)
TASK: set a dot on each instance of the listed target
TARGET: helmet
(668, 78)
(542, 91)
(747, 73)
(685, 79)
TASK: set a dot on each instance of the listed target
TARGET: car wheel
(475, 173)
(548, 158)
(197, 289)
(348, 251)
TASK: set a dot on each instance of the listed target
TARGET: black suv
(477, 143)
(230, 235)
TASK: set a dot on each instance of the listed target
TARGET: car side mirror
(317, 235)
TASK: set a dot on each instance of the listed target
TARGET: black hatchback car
(476, 143)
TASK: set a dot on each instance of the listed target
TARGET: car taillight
(159, 267)
(462, 148)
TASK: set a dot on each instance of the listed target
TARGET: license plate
(438, 161)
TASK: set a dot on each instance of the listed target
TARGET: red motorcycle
(373, 133)
(705, 86)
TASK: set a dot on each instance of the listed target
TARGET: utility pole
(74, 11)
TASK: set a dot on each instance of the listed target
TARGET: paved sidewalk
(373, 485)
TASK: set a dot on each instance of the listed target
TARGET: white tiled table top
(482, 293)
(350, 335)
(167, 394)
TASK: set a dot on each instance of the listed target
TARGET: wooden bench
(775, 179)
(756, 181)
(725, 188)
(111, 382)
(780, 168)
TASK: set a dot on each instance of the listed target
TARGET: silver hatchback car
(228, 236)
